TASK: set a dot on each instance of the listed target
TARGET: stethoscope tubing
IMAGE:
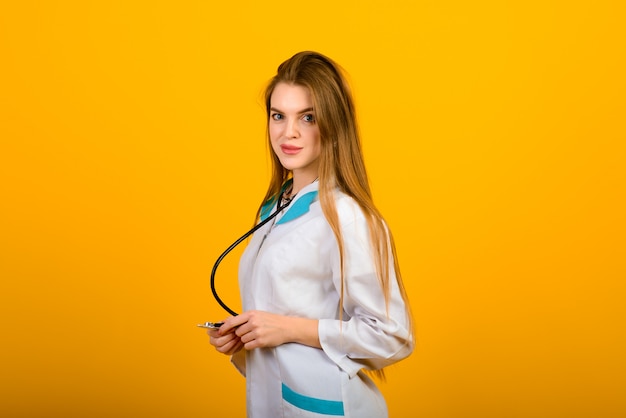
(279, 208)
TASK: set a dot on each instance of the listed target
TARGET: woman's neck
(300, 182)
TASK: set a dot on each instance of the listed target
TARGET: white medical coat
(291, 267)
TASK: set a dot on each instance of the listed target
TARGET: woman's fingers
(226, 344)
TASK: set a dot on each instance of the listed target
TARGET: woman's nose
(292, 130)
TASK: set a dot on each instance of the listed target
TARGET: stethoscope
(279, 208)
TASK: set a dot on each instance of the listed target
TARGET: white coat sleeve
(239, 361)
(371, 334)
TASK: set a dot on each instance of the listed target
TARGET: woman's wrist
(304, 331)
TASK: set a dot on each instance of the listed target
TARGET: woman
(322, 296)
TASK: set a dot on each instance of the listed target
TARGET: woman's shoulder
(348, 209)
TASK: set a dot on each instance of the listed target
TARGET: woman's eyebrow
(308, 109)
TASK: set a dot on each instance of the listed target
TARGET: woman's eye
(277, 116)
(309, 118)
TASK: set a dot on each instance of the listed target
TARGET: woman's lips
(290, 149)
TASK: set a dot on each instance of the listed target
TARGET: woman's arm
(372, 333)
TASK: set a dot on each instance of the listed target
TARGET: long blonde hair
(341, 160)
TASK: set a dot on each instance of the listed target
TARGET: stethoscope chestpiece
(211, 325)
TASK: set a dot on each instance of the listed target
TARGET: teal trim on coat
(266, 209)
(319, 406)
(298, 208)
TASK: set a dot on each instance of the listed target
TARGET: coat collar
(297, 208)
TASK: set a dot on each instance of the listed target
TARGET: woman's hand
(257, 329)
(225, 342)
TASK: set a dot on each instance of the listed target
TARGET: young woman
(321, 289)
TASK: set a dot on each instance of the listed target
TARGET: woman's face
(294, 133)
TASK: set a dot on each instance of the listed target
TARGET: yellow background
(132, 153)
